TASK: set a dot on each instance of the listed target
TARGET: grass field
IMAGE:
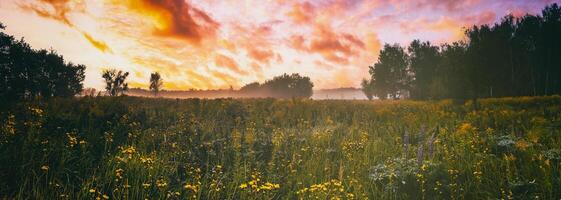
(137, 148)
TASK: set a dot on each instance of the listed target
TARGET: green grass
(136, 148)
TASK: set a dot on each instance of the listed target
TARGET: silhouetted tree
(424, 59)
(155, 83)
(115, 81)
(449, 79)
(251, 87)
(389, 74)
(284, 86)
(290, 86)
(28, 73)
(513, 57)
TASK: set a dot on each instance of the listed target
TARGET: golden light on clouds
(97, 44)
(211, 44)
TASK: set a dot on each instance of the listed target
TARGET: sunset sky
(213, 44)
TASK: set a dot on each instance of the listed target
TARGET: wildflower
(119, 173)
(146, 185)
(243, 186)
(72, 139)
(465, 128)
(522, 144)
(510, 157)
(45, 168)
(161, 183)
(193, 188)
(92, 190)
(105, 196)
(129, 151)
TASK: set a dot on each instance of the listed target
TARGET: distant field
(321, 94)
(137, 148)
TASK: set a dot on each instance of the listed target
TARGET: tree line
(27, 73)
(518, 56)
(284, 86)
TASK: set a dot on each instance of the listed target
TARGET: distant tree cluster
(27, 73)
(515, 57)
(115, 82)
(283, 86)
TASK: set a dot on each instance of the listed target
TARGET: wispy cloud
(100, 45)
(210, 44)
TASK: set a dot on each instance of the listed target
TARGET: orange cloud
(135, 84)
(224, 61)
(227, 79)
(373, 43)
(260, 55)
(175, 18)
(166, 68)
(54, 9)
(334, 47)
(301, 12)
(100, 45)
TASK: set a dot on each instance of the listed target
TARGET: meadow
(146, 148)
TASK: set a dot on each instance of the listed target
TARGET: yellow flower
(243, 185)
(129, 151)
(465, 128)
(105, 196)
(522, 144)
(92, 190)
(119, 173)
(191, 187)
(510, 157)
(45, 168)
(161, 183)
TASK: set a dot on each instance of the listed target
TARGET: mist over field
(324, 94)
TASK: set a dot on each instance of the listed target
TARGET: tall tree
(424, 58)
(450, 80)
(155, 83)
(551, 44)
(115, 81)
(389, 75)
(514, 57)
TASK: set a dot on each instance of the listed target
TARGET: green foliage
(136, 148)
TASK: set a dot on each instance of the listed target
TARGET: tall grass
(136, 148)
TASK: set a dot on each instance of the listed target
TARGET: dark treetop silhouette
(27, 73)
(515, 57)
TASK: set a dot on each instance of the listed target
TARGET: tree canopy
(283, 86)
(514, 57)
(27, 73)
